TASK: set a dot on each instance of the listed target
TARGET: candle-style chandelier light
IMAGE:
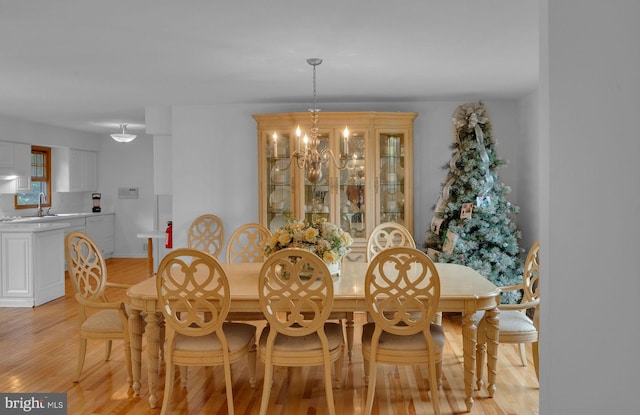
(307, 155)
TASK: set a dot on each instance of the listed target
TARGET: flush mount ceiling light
(123, 136)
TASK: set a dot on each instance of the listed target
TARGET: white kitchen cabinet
(15, 160)
(31, 267)
(75, 170)
(100, 228)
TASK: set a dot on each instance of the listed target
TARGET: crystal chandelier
(307, 155)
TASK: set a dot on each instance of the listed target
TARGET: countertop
(43, 223)
(9, 227)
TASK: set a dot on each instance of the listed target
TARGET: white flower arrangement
(322, 238)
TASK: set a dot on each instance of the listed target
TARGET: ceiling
(90, 65)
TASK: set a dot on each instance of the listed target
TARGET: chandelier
(123, 136)
(307, 155)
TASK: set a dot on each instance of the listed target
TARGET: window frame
(46, 179)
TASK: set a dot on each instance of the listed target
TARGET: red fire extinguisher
(169, 232)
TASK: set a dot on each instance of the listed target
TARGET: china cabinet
(375, 185)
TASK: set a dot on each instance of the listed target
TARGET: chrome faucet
(40, 196)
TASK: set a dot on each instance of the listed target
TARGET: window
(40, 180)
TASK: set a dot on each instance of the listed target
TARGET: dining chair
(519, 323)
(386, 235)
(193, 292)
(206, 233)
(402, 292)
(246, 244)
(296, 296)
(100, 319)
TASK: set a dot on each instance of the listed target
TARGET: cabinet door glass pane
(279, 204)
(352, 187)
(317, 197)
(392, 178)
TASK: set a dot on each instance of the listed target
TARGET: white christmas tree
(472, 224)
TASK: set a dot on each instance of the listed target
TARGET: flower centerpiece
(322, 238)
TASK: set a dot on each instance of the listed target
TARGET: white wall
(528, 165)
(590, 86)
(128, 165)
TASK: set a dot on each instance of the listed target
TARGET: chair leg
(81, 353)
(536, 362)
(338, 369)
(328, 386)
(229, 386)
(266, 387)
(184, 376)
(107, 351)
(439, 373)
(365, 362)
(252, 361)
(168, 386)
(523, 354)
(433, 385)
(371, 386)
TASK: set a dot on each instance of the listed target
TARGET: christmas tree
(472, 224)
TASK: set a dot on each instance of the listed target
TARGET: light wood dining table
(462, 290)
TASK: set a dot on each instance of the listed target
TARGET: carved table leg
(153, 349)
(481, 349)
(469, 336)
(349, 329)
(135, 329)
(492, 321)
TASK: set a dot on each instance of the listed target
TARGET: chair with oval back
(193, 291)
(100, 318)
(386, 235)
(296, 297)
(206, 233)
(402, 291)
(246, 244)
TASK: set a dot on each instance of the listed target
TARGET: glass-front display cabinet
(370, 182)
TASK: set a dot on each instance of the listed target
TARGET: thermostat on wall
(127, 192)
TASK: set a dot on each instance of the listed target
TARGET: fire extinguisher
(169, 232)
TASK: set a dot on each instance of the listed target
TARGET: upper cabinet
(74, 170)
(375, 185)
(15, 167)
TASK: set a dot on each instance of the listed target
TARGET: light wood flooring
(38, 352)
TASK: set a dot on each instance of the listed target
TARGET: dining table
(462, 289)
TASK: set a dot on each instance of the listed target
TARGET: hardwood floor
(39, 346)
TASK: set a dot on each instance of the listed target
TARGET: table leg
(492, 320)
(349, 329)
(469, 337)
(153, 348)
(481, 352)
(150, 256)
(135, 331)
